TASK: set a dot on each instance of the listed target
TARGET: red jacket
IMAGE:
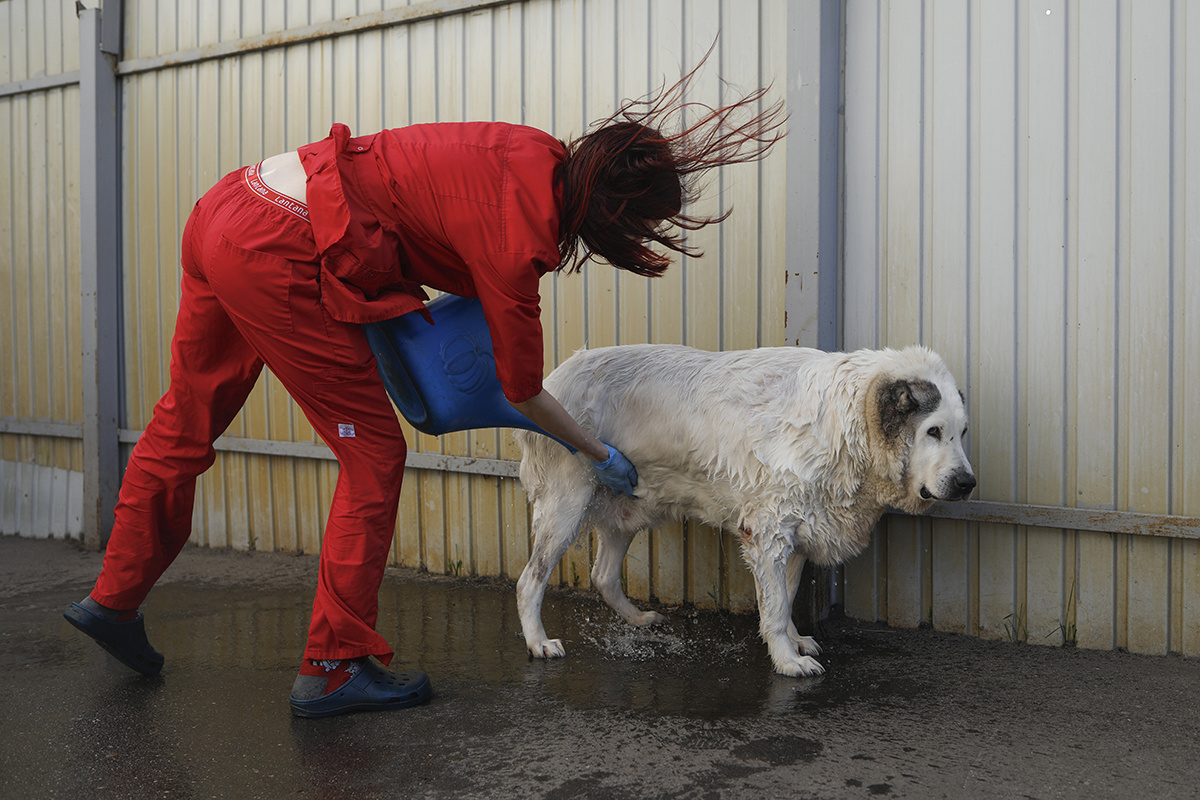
(466, 208)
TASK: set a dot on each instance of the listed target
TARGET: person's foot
(121, 633)
(328, 688)
(110, 614)
(319, 678)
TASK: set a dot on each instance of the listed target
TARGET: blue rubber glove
(616, 472)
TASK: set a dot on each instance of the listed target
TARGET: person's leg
(213, 370)
(260, 264)
(329, 370)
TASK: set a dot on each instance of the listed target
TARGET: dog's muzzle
(958, 487)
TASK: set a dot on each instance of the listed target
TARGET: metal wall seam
(1074, 519)
(1054, 517)
(41, 83)
(53, 430)
(494, 467)
(407, 15)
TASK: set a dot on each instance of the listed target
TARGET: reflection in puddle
(467, 636)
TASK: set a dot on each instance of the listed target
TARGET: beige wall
(40, 398)
(554, 65)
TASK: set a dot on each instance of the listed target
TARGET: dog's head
(922, 421)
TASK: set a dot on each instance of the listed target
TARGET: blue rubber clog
(126, 641)
(372, 689)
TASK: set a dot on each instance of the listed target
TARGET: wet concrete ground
(690, 711)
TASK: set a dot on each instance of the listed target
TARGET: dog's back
(681, 415)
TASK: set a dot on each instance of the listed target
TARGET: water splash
(615, 639)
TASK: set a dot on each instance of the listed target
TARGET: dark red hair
(627, 182)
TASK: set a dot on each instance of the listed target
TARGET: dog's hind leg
(806, 644)
(612, 545)
(558, 520)
(775, 609)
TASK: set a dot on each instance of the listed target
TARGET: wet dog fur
(794, 451)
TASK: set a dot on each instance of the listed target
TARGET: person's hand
(616, 472)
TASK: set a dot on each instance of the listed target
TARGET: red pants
(250, 295)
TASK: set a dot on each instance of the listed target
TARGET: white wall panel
(40, 502)
(37, 38)
(1016, 197)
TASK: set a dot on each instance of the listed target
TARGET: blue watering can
(442, 377)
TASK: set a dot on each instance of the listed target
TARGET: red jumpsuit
(471, 209)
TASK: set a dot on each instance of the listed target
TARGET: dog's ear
(900, 399)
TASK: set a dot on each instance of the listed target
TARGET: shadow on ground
(690, 710)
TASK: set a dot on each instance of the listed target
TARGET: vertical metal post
(99, 234)
(814, 206)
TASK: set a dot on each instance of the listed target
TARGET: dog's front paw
(551, 648)
(807, 645)
(802, 667)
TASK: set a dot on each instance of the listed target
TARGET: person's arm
(549, 415)
(611, 466)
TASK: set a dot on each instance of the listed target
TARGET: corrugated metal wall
(40, 400)
(554, 65)
(1016, 195)
(1021, 194)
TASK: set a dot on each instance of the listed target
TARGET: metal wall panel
(554, 65)
(37, 38)
(1017, 192)
(40, 403)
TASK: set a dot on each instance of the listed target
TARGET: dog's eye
(964, 433)
(935, 432)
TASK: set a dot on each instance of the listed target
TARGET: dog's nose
(965, 483)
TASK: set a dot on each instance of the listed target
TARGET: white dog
(797, 452)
